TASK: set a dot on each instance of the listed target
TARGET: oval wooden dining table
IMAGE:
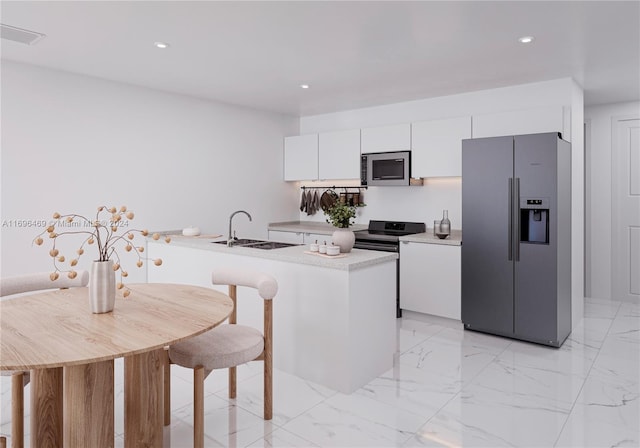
(70, 354)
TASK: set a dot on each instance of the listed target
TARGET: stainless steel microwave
(385, 168)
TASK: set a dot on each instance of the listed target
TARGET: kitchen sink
(269, 245)
(258, 244)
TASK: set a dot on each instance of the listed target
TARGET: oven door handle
(376, 246)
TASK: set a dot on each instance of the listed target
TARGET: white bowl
(191, 231)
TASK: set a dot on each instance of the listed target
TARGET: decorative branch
(103, 234)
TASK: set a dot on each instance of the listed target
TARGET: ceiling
(352, 54)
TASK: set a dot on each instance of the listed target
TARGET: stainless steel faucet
(231, 238)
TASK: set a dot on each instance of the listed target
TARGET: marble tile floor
(448, 388)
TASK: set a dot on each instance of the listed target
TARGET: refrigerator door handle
(517, 219)
(510, 219)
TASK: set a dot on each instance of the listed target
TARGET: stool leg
(268, 388)
(232, 382)
(198, 407)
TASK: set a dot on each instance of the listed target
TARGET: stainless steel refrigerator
(516, 229)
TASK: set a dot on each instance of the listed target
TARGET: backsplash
(416, 203)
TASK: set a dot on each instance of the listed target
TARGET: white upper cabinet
(339, 155)
(436, 147)
(301, 157)
(524, 121)
(386, 138)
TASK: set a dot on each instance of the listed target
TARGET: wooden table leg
(88, 405)
(46, 408)
(143, 399)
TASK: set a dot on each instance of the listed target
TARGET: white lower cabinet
(286, 237)
(430, 279)
(298, 237)
(319, 237)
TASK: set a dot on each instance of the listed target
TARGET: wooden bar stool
(228, 346)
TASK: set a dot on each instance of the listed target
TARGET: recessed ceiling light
(304, 86)
(161, 44)
(525, 39)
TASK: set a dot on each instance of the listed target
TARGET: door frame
(616, 257)
(587, 207)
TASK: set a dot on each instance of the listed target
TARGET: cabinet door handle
(405, 242)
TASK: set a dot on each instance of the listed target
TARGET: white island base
(334, 320)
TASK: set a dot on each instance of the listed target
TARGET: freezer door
(535, 311)
(487, 248)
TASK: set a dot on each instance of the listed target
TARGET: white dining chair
(228, 346)
(12, 286)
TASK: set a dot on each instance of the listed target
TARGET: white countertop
(354, 260)
(322, 228)
(455, 239)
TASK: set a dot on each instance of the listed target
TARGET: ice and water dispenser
(534, 220)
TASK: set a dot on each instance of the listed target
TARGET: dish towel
(303, 201)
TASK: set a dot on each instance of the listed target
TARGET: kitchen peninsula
(334, 318)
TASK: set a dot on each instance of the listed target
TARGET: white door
(626, 211)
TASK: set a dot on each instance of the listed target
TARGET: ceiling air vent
(20, 35)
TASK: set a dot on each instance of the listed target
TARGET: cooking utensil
(327, 199)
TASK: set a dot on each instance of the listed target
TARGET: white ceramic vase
(345, 238)
(102, 287)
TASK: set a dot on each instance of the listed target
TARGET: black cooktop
(390, 230)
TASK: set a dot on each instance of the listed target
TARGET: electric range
(385, 236)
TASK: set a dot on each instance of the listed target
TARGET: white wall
(426, 203)
(577, 203)
(71, 143)
(557, 92)
(598, 193)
